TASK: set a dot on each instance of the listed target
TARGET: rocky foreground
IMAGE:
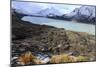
(57, 45)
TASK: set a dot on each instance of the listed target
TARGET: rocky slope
(47, 39)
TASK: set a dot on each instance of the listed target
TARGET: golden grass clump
(26, 58)
(37, 61)
(62, 58)
(82, 58)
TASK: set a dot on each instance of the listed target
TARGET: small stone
(75, 53)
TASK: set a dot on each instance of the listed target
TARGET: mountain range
(82, 14)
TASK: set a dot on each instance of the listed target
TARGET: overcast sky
(35, 7)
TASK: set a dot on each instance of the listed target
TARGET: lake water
(68, 25)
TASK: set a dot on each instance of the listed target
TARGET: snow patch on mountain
(50, 11)
(84, 13)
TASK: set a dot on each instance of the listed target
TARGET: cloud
(33, 7)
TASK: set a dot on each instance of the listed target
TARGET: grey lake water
(68, 25)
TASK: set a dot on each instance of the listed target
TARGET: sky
(33, 7)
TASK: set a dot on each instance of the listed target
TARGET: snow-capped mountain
(51, 11)
(64, 12)
(84, 13)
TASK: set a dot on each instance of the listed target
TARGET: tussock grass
(66, 59)
(62, 58)
(26, 58)
(29, 58)
(82, 58)
(37, 61)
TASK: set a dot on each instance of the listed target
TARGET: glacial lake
(68, 25)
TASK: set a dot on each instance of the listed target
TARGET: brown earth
(42, 38)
